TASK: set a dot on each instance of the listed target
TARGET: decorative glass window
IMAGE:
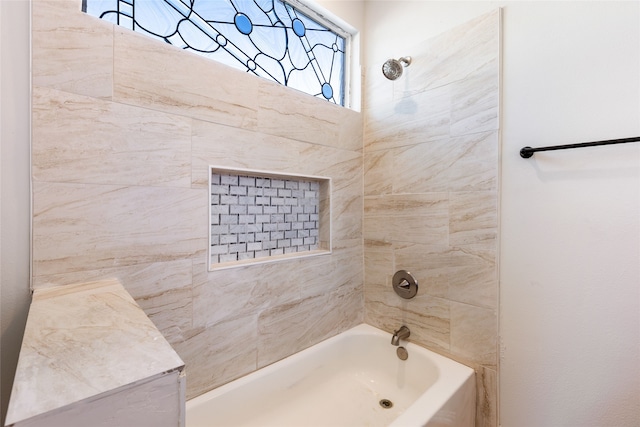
(269, 38)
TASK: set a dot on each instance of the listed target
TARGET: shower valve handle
(404, 284)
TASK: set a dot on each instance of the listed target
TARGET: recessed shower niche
(261, 216)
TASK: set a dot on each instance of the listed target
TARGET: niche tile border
(258, 216)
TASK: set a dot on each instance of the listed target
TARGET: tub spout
(402, 333)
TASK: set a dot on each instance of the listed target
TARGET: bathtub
(353, 379)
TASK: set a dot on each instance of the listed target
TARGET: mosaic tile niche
(261, 217)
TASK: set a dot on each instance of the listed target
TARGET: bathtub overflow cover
(386, 403)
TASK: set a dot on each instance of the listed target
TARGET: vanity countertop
(82, 341)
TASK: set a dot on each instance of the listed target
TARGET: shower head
(392, 68)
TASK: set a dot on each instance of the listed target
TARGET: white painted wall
(15, 187)
(570, 256)
(570, 221)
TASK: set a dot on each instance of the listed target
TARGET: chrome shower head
(392, 68)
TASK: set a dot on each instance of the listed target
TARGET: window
(268, 38)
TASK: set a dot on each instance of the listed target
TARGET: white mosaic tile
(254, 217)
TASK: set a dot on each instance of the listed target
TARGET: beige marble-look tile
(381, 303)
(473, 276)
(476, 101)
(427, 317)
(219, 354)
(243, 291)
(454, 54)
(156, 75)
(378, 90)
(289, 328)
(347, 267)
(409, 120)
(378, 291)
(378, 173)
(162, 289)
(77, 343)
(466, 163)
(379, 264)
(416, 218)
(473, 218)
(225, 146)
(487, 397)
(83, 226)
(347, 309)
(286, 329)
(86, 140)
(292, 114)
(345, 170)
(430, 265)
(71, 50)
(321, 275)
(474, 333)
(345, 165)
(351, 130)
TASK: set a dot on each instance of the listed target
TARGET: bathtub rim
(419, 413)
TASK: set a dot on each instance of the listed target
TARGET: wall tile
(487, 397)
(80, 226)
(457, 53)
(71, 51)
(86, 140)
(241, 292)
(378, 90)
(419, 218)
(331, 301)
(378, 173)
(351, 130)
(473, 218)
(473, 276)
(295, 115)
(164, 292)
(474, 333)
(188, 85)
(427, 317)
(345, 169)
(339, 272)
(291, 327)
(218, 354)
(433, 135)
(220, 145)
(466, 163)
(476, 101)
(409, 120)
(379, 263)
(162, 289)
(429, 264)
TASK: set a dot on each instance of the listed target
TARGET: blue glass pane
(243, 23)
(268, 38)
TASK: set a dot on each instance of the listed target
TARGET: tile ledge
(77, 345)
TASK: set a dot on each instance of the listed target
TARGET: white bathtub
(340, 382)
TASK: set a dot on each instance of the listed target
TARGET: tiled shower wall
(431, 198)
(124, 131)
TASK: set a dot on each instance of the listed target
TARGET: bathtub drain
(386, 403)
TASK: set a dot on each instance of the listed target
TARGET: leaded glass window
(269, 38)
